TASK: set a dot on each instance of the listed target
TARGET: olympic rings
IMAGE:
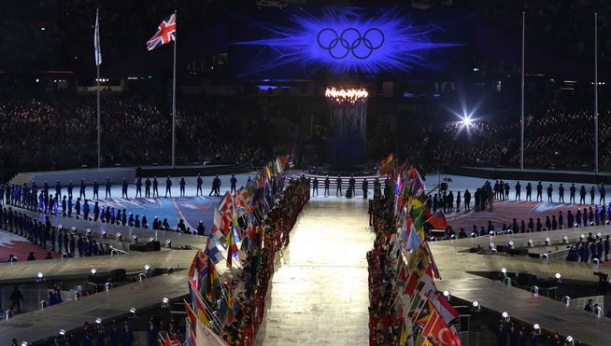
(350, 41)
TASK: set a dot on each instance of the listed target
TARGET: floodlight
(565, 240)
(505, 316)
(165, 303)
(511, 244)
(40, 277)
(547, 241)
(530, 243)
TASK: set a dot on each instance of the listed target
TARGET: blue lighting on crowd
(346, 39)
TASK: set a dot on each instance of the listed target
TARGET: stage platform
(38, 327)
(504, 173)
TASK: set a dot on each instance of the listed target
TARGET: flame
(351, 96)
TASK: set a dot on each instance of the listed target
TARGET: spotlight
(40, 277)
(60, 226)
(565, 240)
(607, 222)
(43, 304)
(581, 236)
(25, 343)
(73, 229)
(94, 271)
(432, 238)
(591, 223)
(135, 238)
(446, 294)
(103, 234)
(88, 232)
(491, 233)
(537, 329)
(119, 236)
(569, 341)
(147, 267)
(62, 332)
(558, 277)
(142, 276)
(151, 239)
(504, 271)
(473, 235)
(170, 270)
(98, 321)
(453, 236)
(544, 257)
(108, 285)
(566, 300)
(598, 235)
(576, 225)
(547, 242)
(491, 247)
(505, 317)
(475, 307)
(165, 303)
(535, 291)
(530, 243)
(168, 243)
(511, 245)
(132, 313)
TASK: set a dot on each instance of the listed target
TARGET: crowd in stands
(135, 131)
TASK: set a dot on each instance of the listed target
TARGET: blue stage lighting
(346, 39)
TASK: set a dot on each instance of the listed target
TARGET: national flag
(170, 341)
(190, 333)
(438, 331)
(432, 267)
(206, 337)
(211, 283)
(438, 221)
(413, 240)
(199, 305)
(231, 245)
(426, 285)
(415, 182)
(166, 32)
(197, 270)
(191, 317)
(443, 306)
(401, 275)
(97, 50)
(213, 249)
(386, 165)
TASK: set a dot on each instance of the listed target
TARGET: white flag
(96, 41)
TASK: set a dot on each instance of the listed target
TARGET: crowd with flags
(250, 228)
(404, 302)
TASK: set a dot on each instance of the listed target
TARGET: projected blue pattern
(346, 40)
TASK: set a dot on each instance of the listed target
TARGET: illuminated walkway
(319, 291)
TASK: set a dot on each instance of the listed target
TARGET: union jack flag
(166, 32)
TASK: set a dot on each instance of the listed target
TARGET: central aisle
(319, 293)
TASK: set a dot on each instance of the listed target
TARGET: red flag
(438, 330)
(191, 317)
(438, 221)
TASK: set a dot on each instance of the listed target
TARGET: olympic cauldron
(346, 137)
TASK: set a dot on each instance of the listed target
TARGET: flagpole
(97, 59)
(522, 95)
(174, 98)
(98, 106)
(596, 93)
